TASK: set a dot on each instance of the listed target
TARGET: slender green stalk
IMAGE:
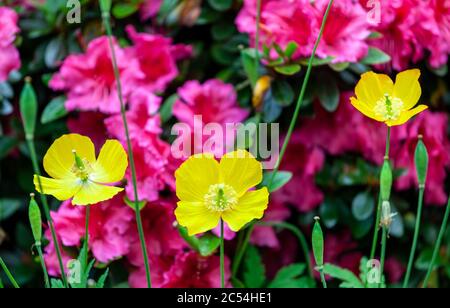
(437, 246)
(300, 236)
(8, 274)
(86, 236)
(416, 237)
(322, 278)
(107, 25)
(292, 125)
(1, 284)
(380, 202)
(383, 253)
(258, 21)
(241, 251)
(37, 171)
(44, 267)
(222, 256)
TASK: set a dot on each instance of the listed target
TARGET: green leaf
(101, 281)
(271, 109)
(8, 207)
(339, 67)
(317, 61)
(290, 50)
(282, 92)
(363, 206)
(166, 110)
(317, 243)
(132, 204)
(289, 277)
(220, 5)
(54, 52)
(222, 31)
(57, 284)
(328, 92)
(375, 56)
(254, 270)
(54, 110)
(349, 280)
(208, 244)
(281, 178)
(375, 35)
(123, 10)
(7, 144)
(289, 69)
(249, 64)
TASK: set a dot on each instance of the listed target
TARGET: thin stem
(258, 22)
(86, 236)
(416, 236)
(437, 246)
(46, 208)
(322, 278)
(44, 267)
(106, 22)
(290, 130)
(380, 202)
(300, 236)
(383, 253)
(1, 284)
(222, 256)
(8, 274)
(240, 253)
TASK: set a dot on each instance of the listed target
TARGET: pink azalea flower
(9, 55)
(345, 34)
(216, 102)
(282, 21)
(304, 163)
(394, 270)
(433, 127)
(89, 124)
(51, 258)
(157, 58)
(89, 79)
(150, 8)
(108, 229)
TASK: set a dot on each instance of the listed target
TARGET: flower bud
(317, 242)
(421, 161)
(386, 180)
(28, 108)
(34, 214)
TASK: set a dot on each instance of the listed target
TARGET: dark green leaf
(289, 277)
(101, 281)
(363, 206)
(289, 69)
(375, 56)
(250, 65)
(328, 93)
(280, 179)
(8, 207)
(54, 110)
(7, 144)
(254, 270)
(123, 10)
(282, 92)
(349, 280)
(220, 5)
(167, 107)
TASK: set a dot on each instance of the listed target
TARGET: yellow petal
(111, 164)
(92, 193)
(364, 109)
(406, 115)
(194, 177)
(240, 170)
(251, 206)
(407, 88)
(196, 217)
(59, 158)
(61, 189)
(372, 87)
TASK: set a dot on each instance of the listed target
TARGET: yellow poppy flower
(210, 191)
(77, 174)
(380, 99)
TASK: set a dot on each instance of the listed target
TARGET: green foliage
(291, 277)
(276, 182)
(348, 279)
(254, 269)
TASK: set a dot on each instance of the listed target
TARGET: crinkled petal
(111, 164)
(93, 193)
(59, 159)
(196, 217)
(407, 88)
(251, 206)
(372, 87)
(406, 115)
(195, 176)
(61, 189)
(240, 170)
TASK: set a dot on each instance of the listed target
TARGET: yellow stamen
(389, 108)
(220, 198)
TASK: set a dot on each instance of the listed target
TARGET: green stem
(258, 21)
(1, 284)
(222, 256)
(240, 253)
(37, 171)
(290, 130)
(86, 236)
(322, 278)
(44, 267)
(8, 274)
(380, 202)
(416, 237)
(300, 236)
(437, 246)
(383, 253)
(106, 22)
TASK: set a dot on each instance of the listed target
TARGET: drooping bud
(28, 108)
(34, 214)
(421, 162)
(386, 180)
(317, 243)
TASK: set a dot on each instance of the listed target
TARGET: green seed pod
(386, 180)
(317, 243)
(34, 214)
(421, 161)
(28, 108)
(105, 6)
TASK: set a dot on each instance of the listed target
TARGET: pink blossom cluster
(9, 55)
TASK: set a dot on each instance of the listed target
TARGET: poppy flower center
(389, 108)
(81, 167)
(220, 198)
